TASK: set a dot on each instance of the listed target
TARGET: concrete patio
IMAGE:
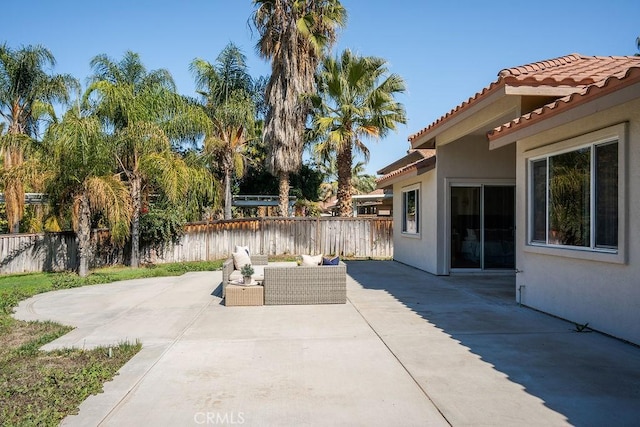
(408, 348)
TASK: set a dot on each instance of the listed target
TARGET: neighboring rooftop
(559, 76)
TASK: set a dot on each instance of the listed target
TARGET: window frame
(403, 224)
(592, 251)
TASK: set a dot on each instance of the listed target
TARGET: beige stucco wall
(417, 251)
(467, 160)
(604, 293)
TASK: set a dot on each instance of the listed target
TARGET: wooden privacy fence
(349, 237)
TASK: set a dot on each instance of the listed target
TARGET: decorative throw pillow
(240, 259)
(311, 260)
(331, 261)
(242, 248)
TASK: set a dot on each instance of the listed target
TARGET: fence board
(350, 237)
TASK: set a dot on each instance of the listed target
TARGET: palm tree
(226, 89)
(294, 35)
(147, 116)
(227, 143)
(27, 91)
(361, 182)
(356, 101)
(81, 158)
(216, 82)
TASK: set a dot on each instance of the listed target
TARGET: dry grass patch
(41, 388)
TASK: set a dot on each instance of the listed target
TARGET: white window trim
(405, 190)
(619, 256)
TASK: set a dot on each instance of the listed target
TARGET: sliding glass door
(465, 227)
(482, 227)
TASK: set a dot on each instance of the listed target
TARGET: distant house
(378, 203)
(539, 174)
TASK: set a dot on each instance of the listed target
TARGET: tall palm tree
(361, 182)
(147, 116)
(294, 35)
(226, 88)
(232, 124)
(81, 158)
(26, 91)
(216, 82)
(356, 101)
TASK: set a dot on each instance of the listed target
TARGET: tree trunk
(84, 236)
(227, 195)
(14, 192)
(136, 197)
(344, 160)
(284, 194)
(14, 206)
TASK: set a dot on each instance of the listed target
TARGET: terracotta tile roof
(427, 160)
(603, 87)
(413, 155)
(484, 92)
(573, 70)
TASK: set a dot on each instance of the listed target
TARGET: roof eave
(564, 111)
(419, 168)
(402, 162)
(384, 183)
(542, 90)
(427, 138)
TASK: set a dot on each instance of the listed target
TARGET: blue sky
(445, 50)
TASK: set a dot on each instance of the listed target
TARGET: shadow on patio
(587, 378)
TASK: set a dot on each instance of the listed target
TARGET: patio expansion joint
(416, 382)
(150, 367)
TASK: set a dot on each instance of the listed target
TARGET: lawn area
(41, 388)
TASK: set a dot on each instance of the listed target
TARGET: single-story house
(377, 203)
(537, 174)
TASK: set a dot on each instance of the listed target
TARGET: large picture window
(411, 210)
(574, 198)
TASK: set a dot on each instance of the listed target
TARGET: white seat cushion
(258, 274)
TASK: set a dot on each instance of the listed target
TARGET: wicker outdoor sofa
(286, 283)
(322, 284)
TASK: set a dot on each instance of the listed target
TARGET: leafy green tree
(27, 92)
(81, 159)
(226, 88)
(305, 185)
(294, 35)
(356, 100)
(362, 182)
(149, 119)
